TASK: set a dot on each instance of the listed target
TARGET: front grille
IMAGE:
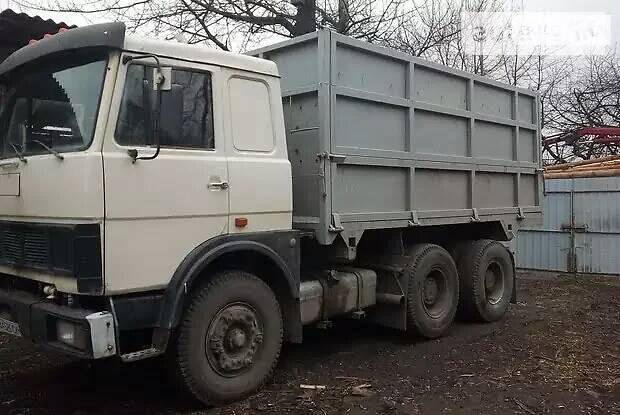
(12, 246)
(25, 246)
(36, 248)
(71, 250)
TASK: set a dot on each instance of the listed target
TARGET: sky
(611, 7)
(70, 18)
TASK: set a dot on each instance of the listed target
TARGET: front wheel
(230, 338)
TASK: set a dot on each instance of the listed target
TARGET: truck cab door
(157, 211)
(258, 163)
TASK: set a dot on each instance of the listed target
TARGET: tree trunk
(344, 17)
(306, 18)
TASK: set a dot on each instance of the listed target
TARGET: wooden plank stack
(601, 167)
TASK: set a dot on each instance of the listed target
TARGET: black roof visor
(110, 35)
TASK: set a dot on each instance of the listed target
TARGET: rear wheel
(230, 338)
(432, 292)
(486, 275)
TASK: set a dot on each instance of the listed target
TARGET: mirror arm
(133, 153)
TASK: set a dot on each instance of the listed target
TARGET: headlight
(72, 334)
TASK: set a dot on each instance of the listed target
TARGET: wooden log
(581, 163)
(600, 163)
(583, 174)
(592, 168)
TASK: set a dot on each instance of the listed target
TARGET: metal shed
(581, 229)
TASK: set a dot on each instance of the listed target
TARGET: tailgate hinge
(337, 224)
(475, 217)
(414, 218)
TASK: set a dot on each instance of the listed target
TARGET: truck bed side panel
(400, 141)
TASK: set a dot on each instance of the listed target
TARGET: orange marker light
(241, 222)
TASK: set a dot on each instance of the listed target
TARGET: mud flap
(391, 282)
(513, 298)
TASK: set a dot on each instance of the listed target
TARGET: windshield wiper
(48, 148)
(20, 156)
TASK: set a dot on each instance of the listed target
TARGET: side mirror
(164, 119)
(171, 114)
(162, 78)
(162, 81)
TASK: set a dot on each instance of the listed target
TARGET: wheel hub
(434, 293)
(494, 283)
(236, 339)
(431, 291)
(233, 339)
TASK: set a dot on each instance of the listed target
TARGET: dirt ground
(557, 351)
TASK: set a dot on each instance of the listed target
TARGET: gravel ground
(557, 351)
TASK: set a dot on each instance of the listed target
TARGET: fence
(581, 229)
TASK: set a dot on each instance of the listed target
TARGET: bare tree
(425, 27)
(238, 24)
(589, 98)
(574, 93)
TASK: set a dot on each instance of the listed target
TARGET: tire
(432, 292)
(230, 338)
(486, 274)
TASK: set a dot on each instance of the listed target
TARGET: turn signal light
(241, 222)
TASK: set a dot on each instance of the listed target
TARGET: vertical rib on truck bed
(380, 139)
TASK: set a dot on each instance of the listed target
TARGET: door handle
(220, 185)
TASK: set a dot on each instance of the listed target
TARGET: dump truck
(159, 198)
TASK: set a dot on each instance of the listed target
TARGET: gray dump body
(380, 139)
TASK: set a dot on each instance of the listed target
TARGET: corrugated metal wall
(581, 229)
(16, 30)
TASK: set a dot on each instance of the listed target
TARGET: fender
(282, 247)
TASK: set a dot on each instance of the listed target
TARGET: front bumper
(38, 320)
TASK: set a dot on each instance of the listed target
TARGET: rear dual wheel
(486, 274)
(477, 279)
(432, 292)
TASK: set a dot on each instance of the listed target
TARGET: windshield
(52, 105)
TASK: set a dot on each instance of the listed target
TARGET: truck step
(141, 355)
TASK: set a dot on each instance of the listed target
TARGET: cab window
(52, 106)
(138, 104)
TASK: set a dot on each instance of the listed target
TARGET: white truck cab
(103, 204)
(68, 125)
(162, 198)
